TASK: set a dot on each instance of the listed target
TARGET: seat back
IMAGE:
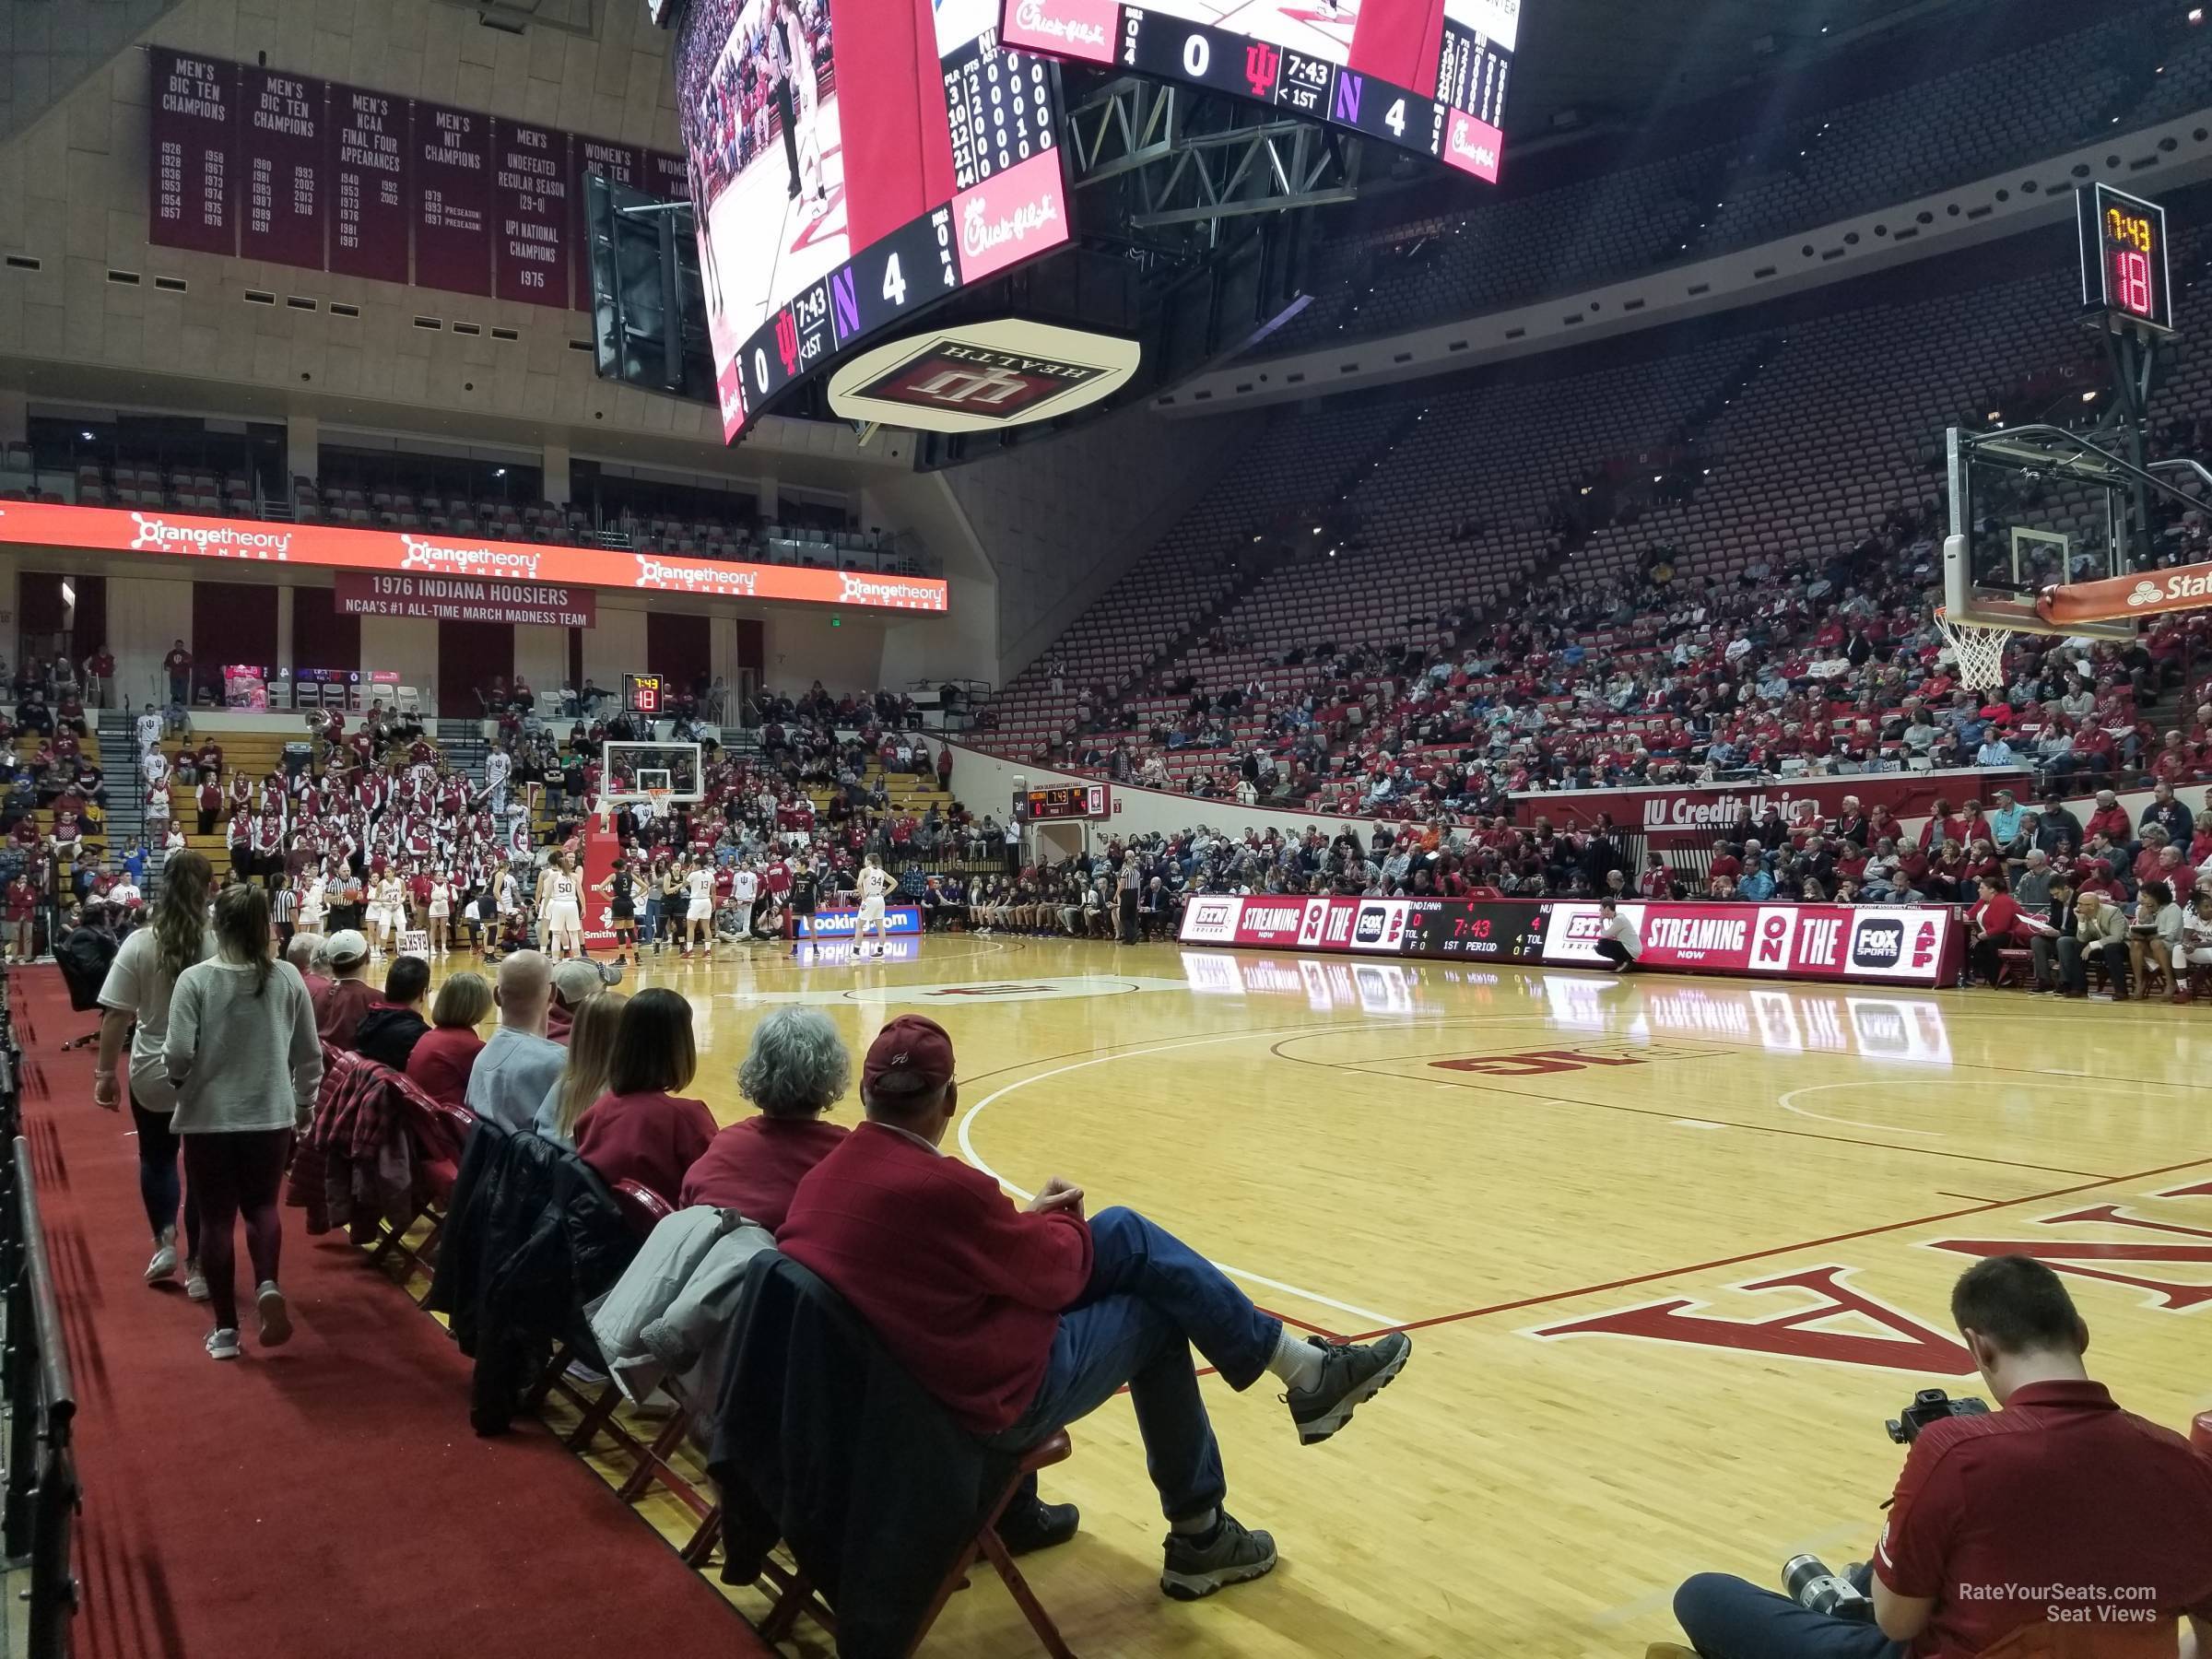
(643, 1207)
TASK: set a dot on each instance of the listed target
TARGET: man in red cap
(1020, 1321)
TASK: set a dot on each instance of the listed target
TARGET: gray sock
(1296, 1360)
(1190, 1525)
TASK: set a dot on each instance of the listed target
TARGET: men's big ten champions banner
(1909, 945)
(454, 559)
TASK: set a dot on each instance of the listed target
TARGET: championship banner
(194, 122)
(843, 923)
(369, 184)
(280, 148)
(114, 530)
(1912, 945)
(464, 599)
(619, 162)
(1700, 812)
(531, 204)
(451, 207)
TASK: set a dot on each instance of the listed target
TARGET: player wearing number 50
(1022, 1321)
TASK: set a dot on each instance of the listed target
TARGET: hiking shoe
(222, 1343)
(275, 1318)
(1351, 1375)
(1026, 1527)
(195, 1282)
(1200, 1563)
(164, 1264)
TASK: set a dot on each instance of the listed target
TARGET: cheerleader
(314, 903)
(441, 913)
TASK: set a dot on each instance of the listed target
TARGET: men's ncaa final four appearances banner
(1915, 945)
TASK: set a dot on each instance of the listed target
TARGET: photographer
(1994, 1514)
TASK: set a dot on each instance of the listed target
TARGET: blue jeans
(1150, 1299)
(1729, 1618)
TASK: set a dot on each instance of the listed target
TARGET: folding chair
(437, 1133)
(795, 1593)
(643, 1208)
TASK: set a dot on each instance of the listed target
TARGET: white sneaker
(275, 1318)
(164, 1264)
(222, 1345)
(195, 1282)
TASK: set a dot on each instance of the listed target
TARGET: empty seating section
(1295, 465)
(1452, 498)
(2142, 66)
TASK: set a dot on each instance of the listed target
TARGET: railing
(38, 1512)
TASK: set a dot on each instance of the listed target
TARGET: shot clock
(2123, 265)
(642, 694)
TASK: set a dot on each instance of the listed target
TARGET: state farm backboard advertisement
(1903, 945)
(112, 530)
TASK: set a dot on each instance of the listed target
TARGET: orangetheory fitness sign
(112, 530)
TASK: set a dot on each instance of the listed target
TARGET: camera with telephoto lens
(1932, 1406)
(1813, 1586)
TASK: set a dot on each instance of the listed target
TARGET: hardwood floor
(1672, 1250)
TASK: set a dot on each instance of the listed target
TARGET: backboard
(2031, 508)
(630, 769)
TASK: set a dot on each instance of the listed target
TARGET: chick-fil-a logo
(1076, 29)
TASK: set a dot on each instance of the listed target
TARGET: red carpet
(325, 1498)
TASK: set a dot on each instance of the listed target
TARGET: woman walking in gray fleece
(242, 1051)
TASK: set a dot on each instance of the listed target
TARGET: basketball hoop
(658, 800)
(1979, 648)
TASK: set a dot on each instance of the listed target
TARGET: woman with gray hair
(310, 953)
(796, 1070)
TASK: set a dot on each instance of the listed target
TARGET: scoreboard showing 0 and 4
(2124, 271)
(1065, 801)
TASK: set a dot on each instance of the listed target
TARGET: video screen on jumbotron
(1425, 76)
(852, 161)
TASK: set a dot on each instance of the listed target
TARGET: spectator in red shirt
(341, 1004)
(1022, 1321)
(2058, 1487)
(177, 664)
(641, 1130)
(1995, 921)
(795, 1071)
(445, 1055)
(2110, 818)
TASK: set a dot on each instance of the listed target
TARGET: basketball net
(1979, 649)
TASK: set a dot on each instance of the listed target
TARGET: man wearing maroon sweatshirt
(1022, 1321)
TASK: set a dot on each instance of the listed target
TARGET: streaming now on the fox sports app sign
(1912, 945)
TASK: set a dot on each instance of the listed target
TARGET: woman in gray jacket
(242, 1051)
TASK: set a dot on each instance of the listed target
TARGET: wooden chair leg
(1024, 1597)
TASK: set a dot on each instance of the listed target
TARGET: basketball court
(769, 244)
(1672, 1249)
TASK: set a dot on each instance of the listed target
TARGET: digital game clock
(2124, 271)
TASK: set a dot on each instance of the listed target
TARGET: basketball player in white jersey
(560, 906)
(876, 884)
(698, 915)
(744, 893)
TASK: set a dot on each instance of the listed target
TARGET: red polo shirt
(2061, 1488)
(964, 1290)
(649, 1137)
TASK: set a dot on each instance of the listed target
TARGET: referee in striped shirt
(284, 904)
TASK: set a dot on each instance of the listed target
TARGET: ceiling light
(87, 437)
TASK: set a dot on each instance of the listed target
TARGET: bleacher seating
(2132, 66)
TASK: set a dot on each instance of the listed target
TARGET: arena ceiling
(1613, 61)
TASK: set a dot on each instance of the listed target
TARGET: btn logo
(1877, 943)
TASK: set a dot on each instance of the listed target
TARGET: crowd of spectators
(1810, 667)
